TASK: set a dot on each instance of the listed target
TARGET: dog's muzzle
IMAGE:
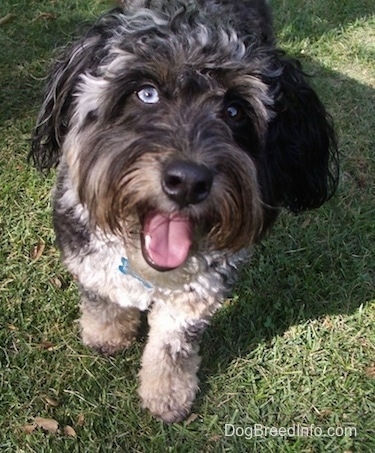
(167, 237)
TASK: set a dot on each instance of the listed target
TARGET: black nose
(186, 182)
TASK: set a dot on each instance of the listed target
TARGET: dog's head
(182, 122)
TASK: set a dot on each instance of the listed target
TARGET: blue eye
(148, 94)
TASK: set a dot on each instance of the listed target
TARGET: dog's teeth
(147, 240)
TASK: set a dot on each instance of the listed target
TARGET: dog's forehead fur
(211, 23)
(179, 37)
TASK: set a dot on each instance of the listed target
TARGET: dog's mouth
(166, 239)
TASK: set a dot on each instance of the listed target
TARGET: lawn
(288, 363)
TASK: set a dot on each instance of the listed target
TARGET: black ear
(81, 57)
(56, 111)
(301, 149)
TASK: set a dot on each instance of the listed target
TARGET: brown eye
(234, 112)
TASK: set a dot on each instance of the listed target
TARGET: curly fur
(237, 121)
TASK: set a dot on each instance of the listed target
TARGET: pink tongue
(167, 239)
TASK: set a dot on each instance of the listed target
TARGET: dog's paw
(168, 398)
(109, 337)
(168, 407)
(105, 345)
(109, 349)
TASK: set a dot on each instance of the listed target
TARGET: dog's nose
(186, 182)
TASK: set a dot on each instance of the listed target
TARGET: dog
(180, 130)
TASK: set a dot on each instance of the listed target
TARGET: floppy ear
(81, 57)
(301, 149)
(56, 111)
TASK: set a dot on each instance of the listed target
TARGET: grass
(294, 346)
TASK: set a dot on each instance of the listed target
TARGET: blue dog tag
(124, 268)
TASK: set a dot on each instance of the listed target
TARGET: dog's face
(181, 130)
(157, 148)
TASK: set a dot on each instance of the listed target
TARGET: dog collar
(125, 269)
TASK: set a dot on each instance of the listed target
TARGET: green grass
(295, 344)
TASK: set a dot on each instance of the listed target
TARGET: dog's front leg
(168, 377)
